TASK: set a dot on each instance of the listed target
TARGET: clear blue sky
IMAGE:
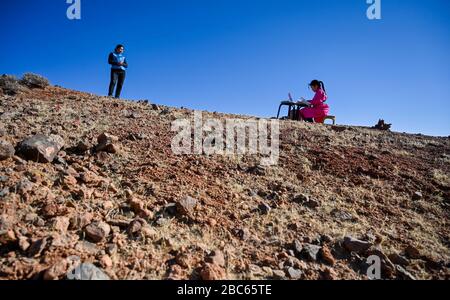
(244, 56)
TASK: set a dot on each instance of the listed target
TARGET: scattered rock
(216, 258)
(61, 224)
(23, 244)
(107, 143)
(111, 249)
(212, 272)
(417, 196)
(294, 274)
(186, 206)
(355, 245)
(87, 271)
(310, 252)
(82, 147)
(80, 221)
(37, 247)
(51, 210)
(97, 231)
(24, 186)
(139, 207)
(329, 274)
(297, 246)
(6, 150)
(279, 274)
(106, 261)
(327, 256)
(264, 208)
(255, 270)
(7, 236)
(4, 192)
(91, 178)
(325, 239)
(136, 226)
(343, 216)
(56, 271)
(87, 247)
(307, 201)
(242, 233)
(40, 148)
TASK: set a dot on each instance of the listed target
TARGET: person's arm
(125, 63)
(319, 98)
(111, 60)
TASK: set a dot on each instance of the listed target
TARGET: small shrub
(34, 81)
(9, 84)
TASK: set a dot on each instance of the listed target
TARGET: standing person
(318, 109)
(119, 65)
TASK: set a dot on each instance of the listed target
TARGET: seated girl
(318, 109)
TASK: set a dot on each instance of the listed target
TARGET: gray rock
(355, 245)
(298, 247)
(40, 148)
(294, 273)
(111, 249)
(24, 186)
(186, 206)
(6, 150)
(4, 192)
(87, 247)
(310, 251)
(87, 271)
(58, 140)
(279, 274)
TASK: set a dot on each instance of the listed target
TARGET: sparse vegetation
(9, 84)
(34, 81)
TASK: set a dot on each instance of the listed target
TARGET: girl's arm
(319, 98)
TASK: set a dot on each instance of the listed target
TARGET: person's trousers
(117, 78)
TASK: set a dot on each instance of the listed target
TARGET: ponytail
(323, 86)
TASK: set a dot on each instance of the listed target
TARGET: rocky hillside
(93, 180)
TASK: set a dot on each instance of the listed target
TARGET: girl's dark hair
(119, 46)
(319, 84)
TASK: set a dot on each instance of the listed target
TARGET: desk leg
(279, 109)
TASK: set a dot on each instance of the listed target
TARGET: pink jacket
(319, 107)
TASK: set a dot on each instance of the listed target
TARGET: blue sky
(244, 56)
